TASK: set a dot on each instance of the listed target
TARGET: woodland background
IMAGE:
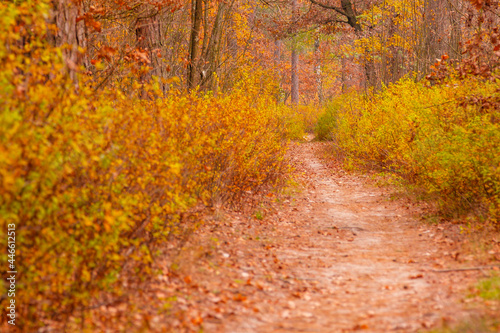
(123, 122)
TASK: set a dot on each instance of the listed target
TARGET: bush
(327, 121)
(94, 181)
(443, 138)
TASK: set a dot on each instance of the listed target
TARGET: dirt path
(376, 275)
(341, 257)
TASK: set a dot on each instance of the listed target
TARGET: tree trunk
(295, 61)
(317, 72)
(69, 32)
(350, 15)
(211, 55)
(343, 75)
(394, 61)
(277, 62)
(456, 30)
(353, 22)
(193, 42)
(430, 43)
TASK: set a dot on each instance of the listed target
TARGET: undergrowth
(489, 288)
(95, 181)
(442, 139)
(327, 121)
(475, 325)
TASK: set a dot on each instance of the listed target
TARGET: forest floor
(340, 254)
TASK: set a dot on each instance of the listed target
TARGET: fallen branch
(479, 268)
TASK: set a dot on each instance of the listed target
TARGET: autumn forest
(250, 166)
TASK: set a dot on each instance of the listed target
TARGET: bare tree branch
(338, 10)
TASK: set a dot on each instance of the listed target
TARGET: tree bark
(277, 62)
(142, 34)
(69, 33)
(295, 61)
(193, 42)
(317, 72)
(430, 47)
(456, 30)
(211, 55)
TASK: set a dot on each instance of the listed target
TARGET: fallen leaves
(359, 327)
(239, 298)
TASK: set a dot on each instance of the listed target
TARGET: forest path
(347, 258)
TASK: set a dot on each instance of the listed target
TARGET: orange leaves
(359, 327)
(136, 57)
(89, 18)
(239, 298)
(479, 4)
(140, 55)
(440, 70)
(105, 52)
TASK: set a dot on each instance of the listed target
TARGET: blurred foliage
(95, 181)
(475, 325)
(489, 288)
(327, 120)
(300, 119)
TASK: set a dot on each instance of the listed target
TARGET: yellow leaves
(172, 81)
(115, 257)
(424, 134)
(108, 223)
(176, 168)
(88, 222)
(91, 174)
(85, 275)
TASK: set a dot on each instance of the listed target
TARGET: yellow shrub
(93, 182)
(432, 137)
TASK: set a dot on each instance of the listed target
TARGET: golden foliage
(443, 138)
(94, 181)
